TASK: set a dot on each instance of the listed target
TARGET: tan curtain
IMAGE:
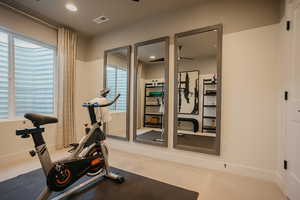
(67, 48)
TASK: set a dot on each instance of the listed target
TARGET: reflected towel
(102, 113)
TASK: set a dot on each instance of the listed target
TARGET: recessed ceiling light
(71, 7)
(152, 57)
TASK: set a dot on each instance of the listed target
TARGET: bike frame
(95, 136)
(79, 152)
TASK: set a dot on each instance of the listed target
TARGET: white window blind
(34, 84)
(27, 72)
(3, 75)
(116, 81)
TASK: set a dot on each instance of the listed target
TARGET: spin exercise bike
(88, 157)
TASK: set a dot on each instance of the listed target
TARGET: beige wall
(37, 31)
(249, 106)
(249, 115)
(154, 71)
(83, 48)
(13, 147)
(27, 26)
(250, 81)
(236, 16)
(250, 92)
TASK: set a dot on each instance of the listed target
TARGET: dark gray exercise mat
(28, 186)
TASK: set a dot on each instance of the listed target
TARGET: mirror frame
(216, 150)
(106, 52)
(166, 110)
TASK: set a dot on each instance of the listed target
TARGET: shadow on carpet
(28, 186)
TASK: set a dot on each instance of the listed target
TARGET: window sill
(117, 112)
(19, 119)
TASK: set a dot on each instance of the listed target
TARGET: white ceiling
(121, 12)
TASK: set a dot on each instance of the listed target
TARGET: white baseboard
(193, 159)
(178, 156)
(280, 182)
(22, 154)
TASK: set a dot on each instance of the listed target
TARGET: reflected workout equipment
(209, 121)
(154, 119)
(88, 157)
(197, 90)
(151, 84)
(185, 88)
(190, 94)
(194, 122)
(117, 74)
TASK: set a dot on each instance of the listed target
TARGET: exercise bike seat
(38, 120)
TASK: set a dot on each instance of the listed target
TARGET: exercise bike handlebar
(101, 105)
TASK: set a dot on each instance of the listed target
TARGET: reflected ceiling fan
(180, 57)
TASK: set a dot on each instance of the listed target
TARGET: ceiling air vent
(101, 19)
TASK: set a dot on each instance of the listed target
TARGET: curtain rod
(30, 16)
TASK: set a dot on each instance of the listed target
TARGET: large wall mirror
(117, 79)
(198, 90)
(151, 92)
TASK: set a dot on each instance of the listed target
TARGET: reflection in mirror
(116, 78)
(198, 90)
(151, 70)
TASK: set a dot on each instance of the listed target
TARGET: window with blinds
(34, 84)
(3, 75)
(116, 81)
(27, 70)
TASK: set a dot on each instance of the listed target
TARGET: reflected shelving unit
(152, 116)
(209, 120)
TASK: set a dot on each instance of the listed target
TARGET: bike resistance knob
(32, 153)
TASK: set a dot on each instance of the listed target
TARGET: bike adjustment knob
(32, 153)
